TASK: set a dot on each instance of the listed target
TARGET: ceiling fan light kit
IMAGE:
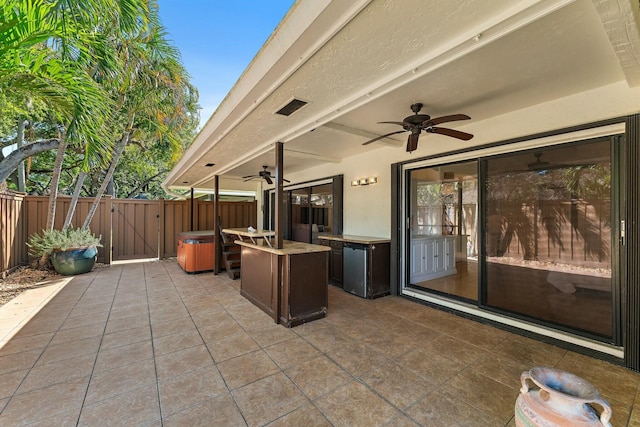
(417, 123)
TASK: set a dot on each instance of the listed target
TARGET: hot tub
(196, 251)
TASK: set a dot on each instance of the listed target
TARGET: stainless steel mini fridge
(355, 262)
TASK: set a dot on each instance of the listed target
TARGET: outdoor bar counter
(289, 284)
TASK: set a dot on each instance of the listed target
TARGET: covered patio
(549, 90)
(146, 344)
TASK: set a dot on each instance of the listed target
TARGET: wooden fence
(177, 217)
(573, 232)
(12, 231)
(35, 213)
(130, 228)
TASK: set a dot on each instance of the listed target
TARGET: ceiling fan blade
(443, 119)
(451, 132)
(412, 142)
(285, 180)
(382, 136)
(268, 179)
(395, 123)
(247, 178)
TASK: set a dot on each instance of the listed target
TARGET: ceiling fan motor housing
(264, 171)
(415, 120)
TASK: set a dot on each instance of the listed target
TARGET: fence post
(108, 239)
(161, 231)
(24, 252)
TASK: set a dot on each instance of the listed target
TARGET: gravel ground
(20, 280)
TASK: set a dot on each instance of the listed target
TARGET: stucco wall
(367, 209)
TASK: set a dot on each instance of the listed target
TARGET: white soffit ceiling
(483, 58)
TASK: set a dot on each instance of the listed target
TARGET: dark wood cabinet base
(292, 288)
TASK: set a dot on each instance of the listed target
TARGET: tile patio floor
(147, 344)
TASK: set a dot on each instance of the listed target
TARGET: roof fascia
(301, 33)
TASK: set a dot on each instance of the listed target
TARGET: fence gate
(135, 228)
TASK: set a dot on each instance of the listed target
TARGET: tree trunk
(20, 142)
(55, 179)
(74, 200)
(11, 162)
(53, 196)
(114, 162)
(142, 185)
(111, 188)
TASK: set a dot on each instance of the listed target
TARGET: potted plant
(72, 251)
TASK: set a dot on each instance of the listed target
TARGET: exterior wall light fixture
(364, 181)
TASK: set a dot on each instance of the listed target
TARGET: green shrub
(50, 241)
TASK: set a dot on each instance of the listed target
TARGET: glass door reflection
(548, 236)
(443, 206)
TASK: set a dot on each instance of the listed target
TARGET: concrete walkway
(149, 345)
(20, 310)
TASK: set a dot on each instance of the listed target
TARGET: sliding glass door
(310, 210)
(531, 235)
(443, 238)
(548, 236)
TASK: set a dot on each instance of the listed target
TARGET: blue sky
(218, 39)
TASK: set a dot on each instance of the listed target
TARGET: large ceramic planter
(562, 399)
(74, 261)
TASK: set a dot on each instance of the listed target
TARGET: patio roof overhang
(358, 63)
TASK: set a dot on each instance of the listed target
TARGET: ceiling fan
(539, 164)
(264, 174)
(423, 122)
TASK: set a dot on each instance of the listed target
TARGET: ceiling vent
(293, 106)
(210, 165)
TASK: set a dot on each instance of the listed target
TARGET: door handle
(623, 231)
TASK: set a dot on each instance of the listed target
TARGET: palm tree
(44, 49)
(48, 50)
(105, 67)
(153, 93)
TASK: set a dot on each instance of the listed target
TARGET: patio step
(234, 273)
(233, 263)
(230, 256)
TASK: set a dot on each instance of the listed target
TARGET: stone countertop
(246, 233)
(435, 236)
(365, 240)
(290, 248)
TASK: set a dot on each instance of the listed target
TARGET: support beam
(363, 133)
(191, 209)
(216, 224)
(313, 156)
(278, 244)
(279, 210)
